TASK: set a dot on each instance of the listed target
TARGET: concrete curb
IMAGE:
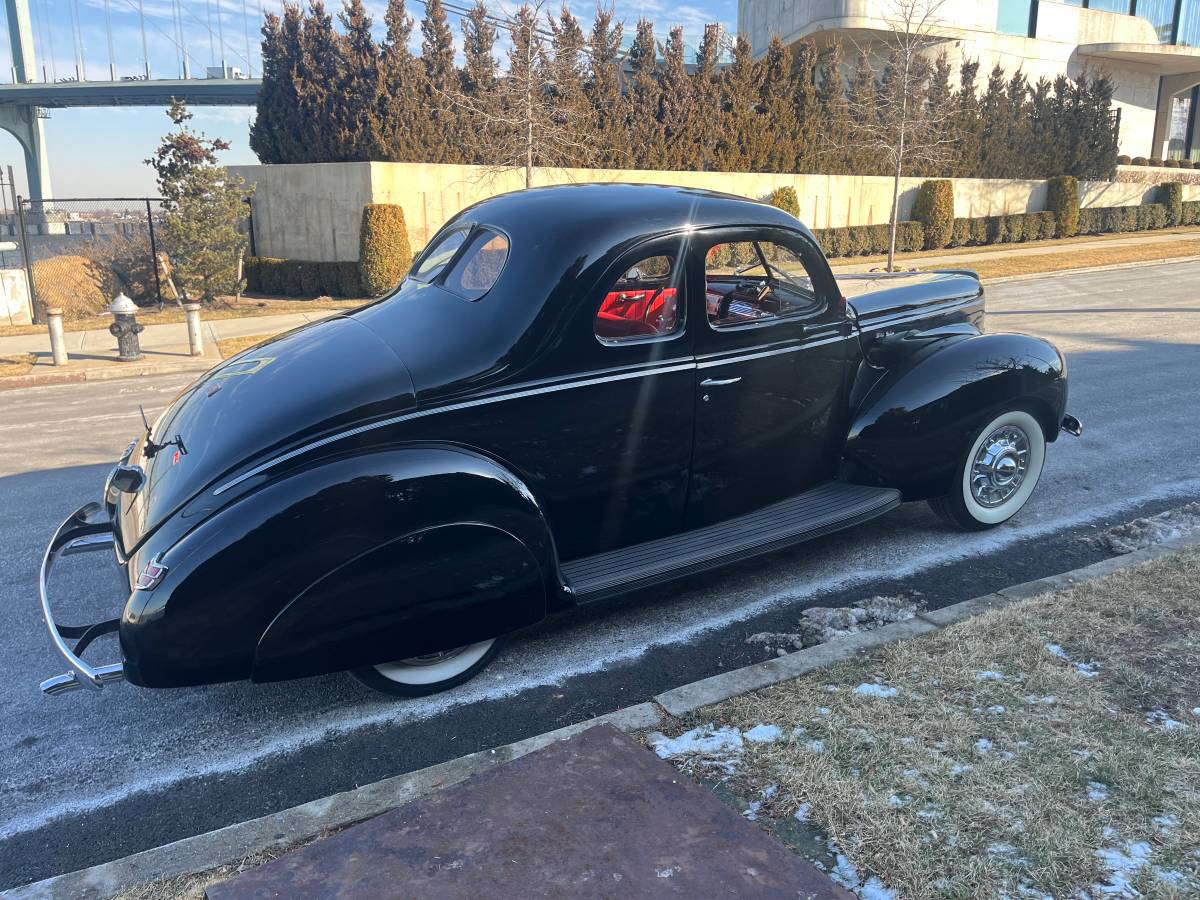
(310, 820)
(123, 370)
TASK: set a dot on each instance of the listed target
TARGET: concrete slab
(593, 816)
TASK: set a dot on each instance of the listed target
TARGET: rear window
(441, 254)
(479, 264)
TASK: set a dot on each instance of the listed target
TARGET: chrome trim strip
(451, 407)
(715, 359)
(76, 535)
(890, 320)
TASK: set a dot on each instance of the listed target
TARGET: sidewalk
(952, 260)
(92, 354)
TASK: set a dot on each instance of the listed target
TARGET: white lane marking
(587, 662)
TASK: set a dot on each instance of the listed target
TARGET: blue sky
(96, 152)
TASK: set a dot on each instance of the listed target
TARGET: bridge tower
(20, 120)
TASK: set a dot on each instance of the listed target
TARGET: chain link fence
(79, 253)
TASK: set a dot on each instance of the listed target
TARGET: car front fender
(912, 421)
(359, 558)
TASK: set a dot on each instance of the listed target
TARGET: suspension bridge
(205, 56)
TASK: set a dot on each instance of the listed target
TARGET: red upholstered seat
(648, 312)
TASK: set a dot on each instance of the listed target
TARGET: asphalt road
(87, 777)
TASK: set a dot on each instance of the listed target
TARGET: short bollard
(58, 343)
(126, 328)
(195, 338)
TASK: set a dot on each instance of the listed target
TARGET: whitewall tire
(998, 473)
(429, 674)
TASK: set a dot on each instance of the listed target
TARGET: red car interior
(642, 312)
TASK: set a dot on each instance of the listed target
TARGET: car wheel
(997, 474)
(429, 674)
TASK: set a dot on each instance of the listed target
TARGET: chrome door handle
(718, 382)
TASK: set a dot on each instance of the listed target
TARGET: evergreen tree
(404, 131)
(567, 71)
(707, 113)
(863, 107)
(966, 123)
(642, 97)
(994, 127)
(318, 75)
(1019, 138)
(205, 209)
(772, 143)
(675, 109)
(478, 79)
(806, 108)
(834, 152)
(741, 121)
(603, 86)
(358, 132)
(439, 85)
(274, 135)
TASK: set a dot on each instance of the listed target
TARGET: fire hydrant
(125, 328)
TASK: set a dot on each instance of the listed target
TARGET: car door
(770, 338)
(609, 456)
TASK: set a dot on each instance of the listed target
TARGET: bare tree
(897, 123)
(526, 117)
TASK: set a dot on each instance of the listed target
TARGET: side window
(479, 265)
(755, 281)
(441, 254)
(643, 302)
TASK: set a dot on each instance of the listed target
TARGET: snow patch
(821, 624)
(989, 675)
(1160, 718)
(1097, 791)
(762, 734)
(847, 876)
(1122, 863)
(803, 811)
(1142, 533)
(1086, 669)
(875, 690)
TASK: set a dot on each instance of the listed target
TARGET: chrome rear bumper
(77, 535)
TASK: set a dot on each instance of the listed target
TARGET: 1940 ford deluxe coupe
(576, 392)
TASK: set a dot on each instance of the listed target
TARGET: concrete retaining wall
(312, 211)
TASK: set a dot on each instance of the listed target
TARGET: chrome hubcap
(1000, 465)
(431, 659)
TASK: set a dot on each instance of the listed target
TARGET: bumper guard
(77, 535)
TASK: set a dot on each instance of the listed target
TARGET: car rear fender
(356, 559)
(916, 409)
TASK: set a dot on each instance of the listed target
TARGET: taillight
(151, 575)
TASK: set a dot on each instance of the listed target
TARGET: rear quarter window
(478, 265)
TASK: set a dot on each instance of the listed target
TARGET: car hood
(292, 389)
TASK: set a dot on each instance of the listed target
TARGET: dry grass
(972, 784)
(229, 346)
(20, 364)
(1061, 262)
(233, 309)
(193, 885)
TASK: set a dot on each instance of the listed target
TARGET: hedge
(1019, 228)
(785, 198)
(299, 278)
(1170, 195)
(1062, 198)
(383, 251)
(868, 240)
(934, 209)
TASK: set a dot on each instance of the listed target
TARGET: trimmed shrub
(310, 279)
(384, 255)
(291, 281)
(997, 233)
(270, 275)
(250, 273)
(1141, 161)
(1122, 160)
(979, 230)
(909, 236)
(785, 198)
(934, 210)
(1191, 212)
(1186, 164)
(1156, 161)
(1089, 221)
(1170, 195)
(960, 236)
(839, 242)
(1062, 201)
(1151, 216)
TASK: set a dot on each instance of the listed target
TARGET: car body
(577, 392)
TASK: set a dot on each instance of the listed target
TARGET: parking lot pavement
(98, 776)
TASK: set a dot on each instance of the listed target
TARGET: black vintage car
(577, 392)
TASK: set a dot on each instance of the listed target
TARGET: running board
(818, 512)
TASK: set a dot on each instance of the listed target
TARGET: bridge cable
(77, 37)
(48, 30)
(246, 35)
(221, 38)
(145, 52)
(112, 61)
(212, 46)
